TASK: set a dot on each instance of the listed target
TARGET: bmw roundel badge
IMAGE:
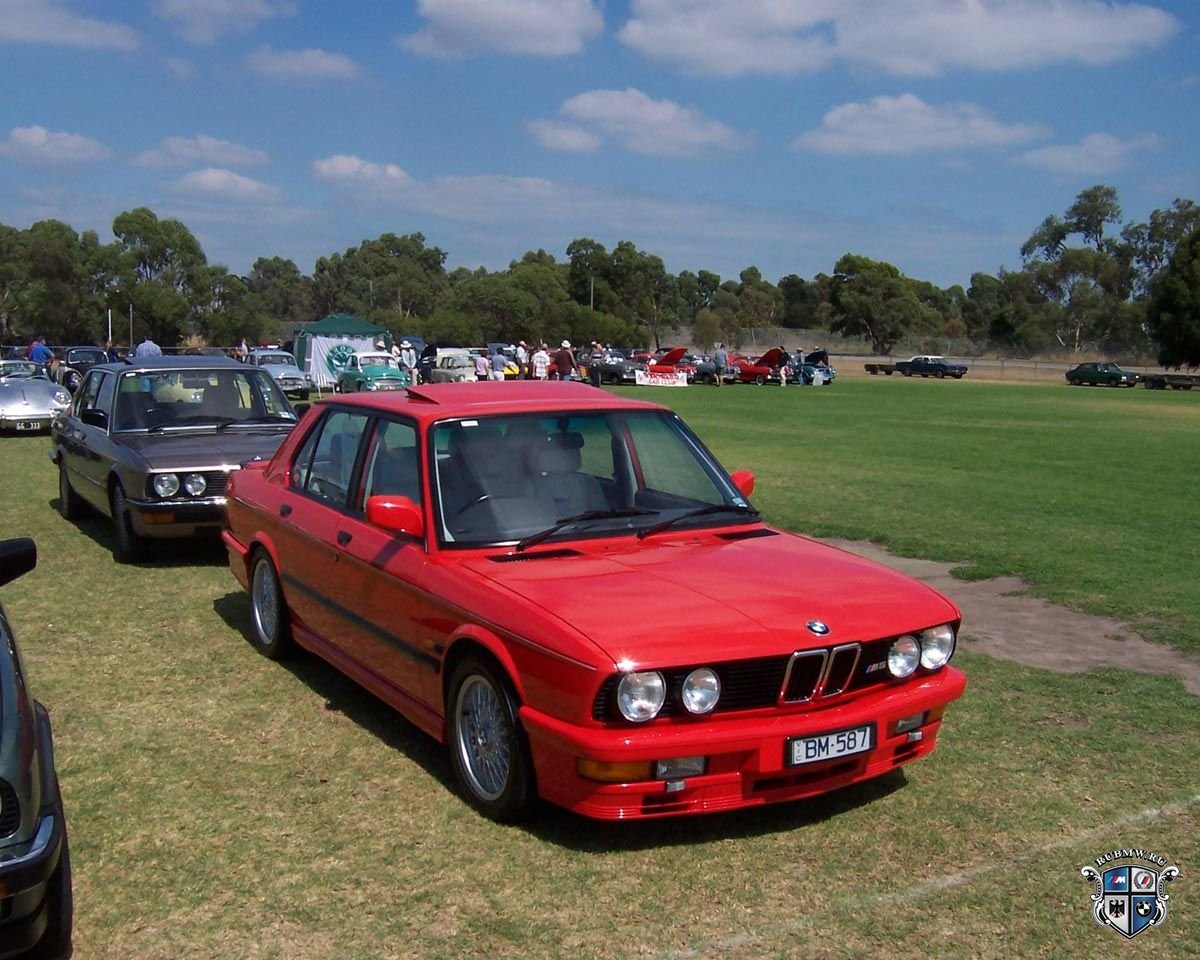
(817, 627)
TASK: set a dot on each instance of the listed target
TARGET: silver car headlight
(165, 484)
(195, 484)
(904, 657)
(62, 398)
(701, 690)
(641, 694)
(937, 646)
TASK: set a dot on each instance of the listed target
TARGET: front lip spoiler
(35, 866)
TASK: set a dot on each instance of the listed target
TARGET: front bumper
(23, 878)
(171, 519)
(22, 422)
(746, 763)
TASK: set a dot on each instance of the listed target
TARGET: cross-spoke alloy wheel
(272, 635)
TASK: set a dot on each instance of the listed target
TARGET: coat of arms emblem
(1129, 898)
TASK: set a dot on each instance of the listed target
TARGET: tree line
(1088, 283)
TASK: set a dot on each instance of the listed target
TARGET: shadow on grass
(549, 823)
(204, 550)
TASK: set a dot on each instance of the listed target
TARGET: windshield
(517, 478)
(86, 355)
(379, 360)
(278, 359)
(20, 370)
(167, 399)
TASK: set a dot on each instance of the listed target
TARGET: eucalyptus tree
(1174, 312)
(874, 300)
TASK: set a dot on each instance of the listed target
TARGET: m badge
(1129, 898)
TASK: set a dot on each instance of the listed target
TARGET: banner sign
(328, 355)
(644, 379)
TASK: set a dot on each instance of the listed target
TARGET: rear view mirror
(17, 558)
(396, 513)
(744, 481)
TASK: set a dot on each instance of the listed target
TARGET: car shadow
(201, 551)
(346, 697)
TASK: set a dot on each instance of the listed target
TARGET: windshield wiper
(536, 538)
(698, 512)
(268, 418)
(190, 421)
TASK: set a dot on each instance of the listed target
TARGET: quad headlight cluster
(642, 693)
(930, 649)
(167, 485)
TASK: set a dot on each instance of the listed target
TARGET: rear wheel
(70, 504)
(759, 379)
(487, 745)
(940, 374)
(272, 630)
(128, 547)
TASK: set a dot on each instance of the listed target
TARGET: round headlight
(62, 397)
(640, 695)
(904, 656)
(195, 484)
(166, 484)
(937, 646)
(701, 690)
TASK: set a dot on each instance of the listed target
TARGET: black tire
(907, 373)
(70, 504)
(759, 379)
(888, 373)
(268, 611)
(941, 374)
(55, 943)
(128, 547)
(958, 376)
(72, 380)
(488, 748)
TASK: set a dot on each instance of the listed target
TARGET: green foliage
(874, 300)
(1174, 313)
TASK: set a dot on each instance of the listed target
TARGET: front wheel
(941, 374)
(128, 547)
(272, 630)
(759, 380)
(487, 745)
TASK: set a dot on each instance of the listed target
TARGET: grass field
(224, 806)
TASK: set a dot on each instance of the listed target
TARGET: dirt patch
(999, 619)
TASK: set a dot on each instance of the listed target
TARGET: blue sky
(934, 134)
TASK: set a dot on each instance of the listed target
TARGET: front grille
(807, 676)
(10, 810)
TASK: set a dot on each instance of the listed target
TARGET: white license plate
(830, 746)
(28, 425)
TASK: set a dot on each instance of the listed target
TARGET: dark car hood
(671, 602)
(196, 448)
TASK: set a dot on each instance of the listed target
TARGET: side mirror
(17, 558)
(744, 481)
(301, 408)
(396, 513)
(95, 418)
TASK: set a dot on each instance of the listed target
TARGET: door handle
(285, 510)
(344, 537)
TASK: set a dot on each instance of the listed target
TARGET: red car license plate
(830, 746)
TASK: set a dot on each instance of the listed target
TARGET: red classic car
(766, 369)
(565, 588)
(673, 361)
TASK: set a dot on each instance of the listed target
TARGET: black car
(151, 444)
(1101, 375)
(615, 367)
(75, 363)
(36, 906)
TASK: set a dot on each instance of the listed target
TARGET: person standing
(38, 352)
(564, 361)
(720, 362)
(522, 355)
(482, 366)
(408, 360)
(147, 348)
(497, 362)
(540, 364)
(595, 358)
(785, 366)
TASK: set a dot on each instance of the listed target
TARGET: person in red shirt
(564, 360)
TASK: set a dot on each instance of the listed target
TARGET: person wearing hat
(408, 360)
(522, 356)
(564, 360)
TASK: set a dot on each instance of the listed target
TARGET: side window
(88, 396)
(392, 466)
(668, 465)
(328, 471)
(108, 387)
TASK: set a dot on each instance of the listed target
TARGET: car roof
(440, 401)
(272, 351)
(173, 363)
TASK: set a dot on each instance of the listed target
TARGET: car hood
(39, 393)
(278, 370)
(197, 449)
(672, 602)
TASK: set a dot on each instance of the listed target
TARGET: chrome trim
(833, 654)
(787, 675)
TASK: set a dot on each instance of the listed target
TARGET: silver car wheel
(483, 737)
(264, 593)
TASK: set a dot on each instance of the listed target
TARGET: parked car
(768, 368)
(36, 904)
(152, 444)
(281, 365)
(29, 399)
(928, 366)
(675, 360)
(454, 368)
(615, 367)
(75, 362)
(1101, 375)
(566, 589)
(370, 370)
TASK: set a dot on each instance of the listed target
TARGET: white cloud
(44, 21)
(544, 27)
(225, 185)
(203, 21)
(637, 121)
(37, 145)
(344, 169)
(180, 67)
(909, 37)
(302, 64)
(200, 149)
(1094, 155)
(905, 125)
